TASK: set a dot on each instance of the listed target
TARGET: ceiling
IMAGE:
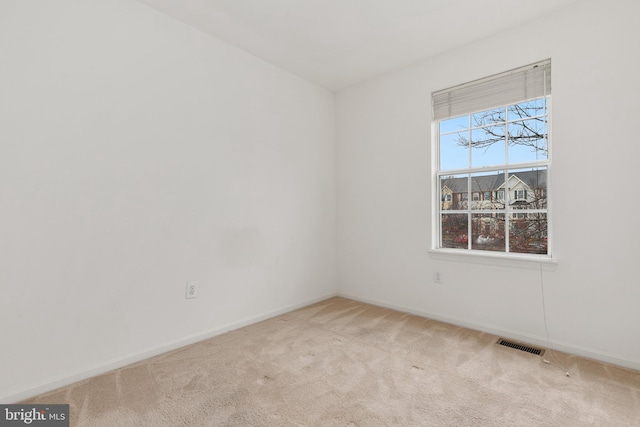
(339, 43)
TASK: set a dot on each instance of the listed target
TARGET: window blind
(521, 84)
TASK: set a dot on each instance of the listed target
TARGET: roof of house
(533, 178)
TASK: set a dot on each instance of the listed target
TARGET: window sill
(524, 261)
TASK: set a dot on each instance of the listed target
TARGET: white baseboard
(577, 350)
(36, 389)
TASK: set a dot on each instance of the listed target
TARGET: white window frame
(508, 211)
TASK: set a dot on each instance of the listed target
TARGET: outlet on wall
(192, 289)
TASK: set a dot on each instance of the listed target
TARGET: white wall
(136, 154)
(384, 189)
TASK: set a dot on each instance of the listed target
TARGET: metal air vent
(521, 347)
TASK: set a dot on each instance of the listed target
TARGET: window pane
(487, 232)
(527, 109)
(456, 124)
(528, 234)
(528, 188)
(527, 141)
(485, 184)
(455, 232)
(488, 146)
(454, 151)
(454, 192)
(489, 117)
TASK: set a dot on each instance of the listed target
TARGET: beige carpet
(344, 363)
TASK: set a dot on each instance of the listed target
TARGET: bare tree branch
(528, 129)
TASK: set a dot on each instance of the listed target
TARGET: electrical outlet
(192, 290)
(437, 277)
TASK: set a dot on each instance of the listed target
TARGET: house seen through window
(493, 161)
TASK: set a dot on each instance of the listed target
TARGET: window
(520, 194)
(492, 138)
